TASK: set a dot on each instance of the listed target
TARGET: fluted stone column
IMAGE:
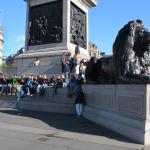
(1, 46)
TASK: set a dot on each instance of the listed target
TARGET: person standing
(77, 50)
(77, 59)
(82, 69)
(77, 53)
(19, 96)
(79, 102)
(65, 67)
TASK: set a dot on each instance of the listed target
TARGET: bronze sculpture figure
(130, 62)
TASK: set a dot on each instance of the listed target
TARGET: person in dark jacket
(79, 102)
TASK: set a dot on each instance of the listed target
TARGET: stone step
(7, 101)
(59, 102)
(40, 105)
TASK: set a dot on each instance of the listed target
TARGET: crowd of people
(32, 84)
(29, 85)
(73, 77)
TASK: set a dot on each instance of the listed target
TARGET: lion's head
(131, 52)
(130, 62)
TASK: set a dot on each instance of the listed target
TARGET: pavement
(52, 131)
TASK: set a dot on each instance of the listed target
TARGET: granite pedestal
(52, 28)
(122, 108)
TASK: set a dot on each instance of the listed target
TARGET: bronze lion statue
(130, 62)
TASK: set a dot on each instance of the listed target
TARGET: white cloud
(20, 39)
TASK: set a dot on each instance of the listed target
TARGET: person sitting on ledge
(36, 62)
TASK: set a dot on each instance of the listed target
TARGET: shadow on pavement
(68, 122)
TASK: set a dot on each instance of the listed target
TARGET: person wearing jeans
(65, 67)
(79, 102)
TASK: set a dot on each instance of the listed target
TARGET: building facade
(1, 45)
(93, 51)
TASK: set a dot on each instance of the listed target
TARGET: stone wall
(50, 102)
(122, 108)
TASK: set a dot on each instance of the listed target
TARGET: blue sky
(105, 21)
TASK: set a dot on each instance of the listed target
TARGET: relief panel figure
(78, 26)
(45, 23)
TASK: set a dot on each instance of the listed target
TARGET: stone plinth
(50, 63)
(58, 103)
(50, 102)
(54, 27)
(122, 108)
